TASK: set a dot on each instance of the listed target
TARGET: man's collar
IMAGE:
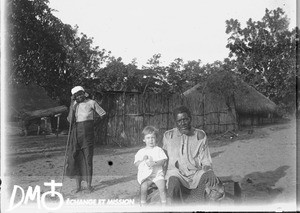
(178, 133)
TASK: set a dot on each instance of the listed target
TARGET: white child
(149, 161)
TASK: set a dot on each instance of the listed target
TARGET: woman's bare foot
(90, 189)
(78, 190)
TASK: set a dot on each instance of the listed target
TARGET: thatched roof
(247, 99)
(23, 98)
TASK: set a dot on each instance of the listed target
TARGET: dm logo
(36, 194)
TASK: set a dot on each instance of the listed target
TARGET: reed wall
(129, 113)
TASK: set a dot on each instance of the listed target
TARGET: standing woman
(81, 146)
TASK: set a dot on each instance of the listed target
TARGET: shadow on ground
(259, 186)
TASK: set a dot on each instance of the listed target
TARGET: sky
(187, 29)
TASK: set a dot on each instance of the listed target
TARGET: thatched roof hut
(224, 100)
(26, 104)
(24, 98)
(249, 101)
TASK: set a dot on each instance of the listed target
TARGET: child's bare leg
(144, 189)
(161, 185)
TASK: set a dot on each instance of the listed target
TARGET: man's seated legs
(207, 189)
(174, 192)
(177, 193)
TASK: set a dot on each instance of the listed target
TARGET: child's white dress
(145, 172)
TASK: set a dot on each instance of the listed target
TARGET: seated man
(189, 172)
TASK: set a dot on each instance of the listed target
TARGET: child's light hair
(150, 130)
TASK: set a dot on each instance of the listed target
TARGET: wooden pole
(65, 160)
(57, 126)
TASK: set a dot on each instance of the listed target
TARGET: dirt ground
(264, 159)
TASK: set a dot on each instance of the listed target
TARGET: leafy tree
(45, 51)
(175, 76)
(195, 72)
(113, 76)
(117, 76)
(265, 55)
(155, 74)
(33, 33)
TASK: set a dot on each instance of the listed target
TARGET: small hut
(225, 102)
(24, 98)
(30, 108)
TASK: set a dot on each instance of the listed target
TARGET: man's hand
(206, 168)
(212, 179)
(145, 157)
